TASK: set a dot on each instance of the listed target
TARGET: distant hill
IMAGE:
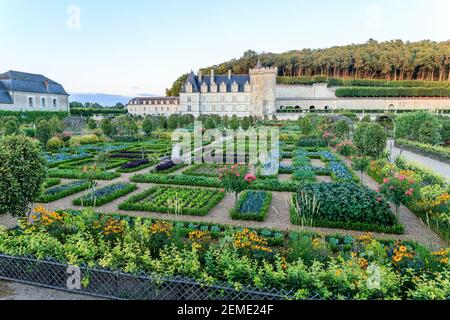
(391, 60)
(103, 99)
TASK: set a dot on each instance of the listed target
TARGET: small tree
(43, 131)
(234, 124)
(370, 139)
(306, 125)
(108, 128)
(342, 129)
(91, 124)
(430, 133)
(398, 190)
(246, 123)
(11, 128)
(147, 126)
(361, 164)
(235, 180)
(23, 171)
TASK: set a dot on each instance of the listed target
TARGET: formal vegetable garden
(192, 201)
(64, 190)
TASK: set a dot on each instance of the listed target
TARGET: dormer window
(247, 87)
(204, 88)
(234, 87)
(223, 87)
(189, 88)
(213, 87)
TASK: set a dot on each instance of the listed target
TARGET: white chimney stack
(229, 74)
(200, 76)
(212, 76)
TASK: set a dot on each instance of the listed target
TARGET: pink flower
(386, 180)
(249, 177)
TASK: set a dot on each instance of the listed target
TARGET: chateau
(259, 95)
(154, 106)
(20, 91)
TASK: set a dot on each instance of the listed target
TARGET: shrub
(54, 143)
(430, 133)
(348, 206)
(370, 139)
(312, 142)
(22, 174)
(11, 128)
(441, 153)
(408, 125)
(252, 205)
(346, 148)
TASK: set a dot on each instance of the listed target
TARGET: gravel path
(18, 291)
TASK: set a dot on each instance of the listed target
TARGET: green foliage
(392, 92)
(32, 116)
(197, 202)
(370, 139)
(79, 174)
(105, 195)
(252, 206)
(108, 128)
(91, 124)
(408, 125)
(43, 131)
(147, 126)
(349, 206)
(54, 143)
(89, 112)
(175, 90)
(11, 128)
(342, 129)
(22, 174)
(430, 133)
(312, 142)
(61, 191)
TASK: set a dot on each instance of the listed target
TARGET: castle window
(189, 108)
(30, 102)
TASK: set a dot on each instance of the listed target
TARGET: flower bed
(203, 170)
(197, 202)
(64, 190)
(105, 195)
(343, 206)
(428, 150)
(136, 165)
(167, 167)
(252, 205)
(79, 174)
(305, 263)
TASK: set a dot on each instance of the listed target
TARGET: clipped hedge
(89, 112)
(348, 206)
(63, 191)
(252, 206)
(392, 92)
(78, 174)
(333, 82)
(181, 180)
(435, 152)
(105, 195)
(32, 116)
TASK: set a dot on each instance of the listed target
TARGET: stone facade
(257, 94)
(20, 91)
(154, 106)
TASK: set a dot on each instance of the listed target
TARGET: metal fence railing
(116, 285)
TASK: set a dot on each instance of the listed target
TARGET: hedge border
(77, 174)
(68, 192)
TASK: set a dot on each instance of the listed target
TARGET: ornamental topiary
(22, 174)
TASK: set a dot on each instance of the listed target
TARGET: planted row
(197, 202)
(105, 195)
(64, 190)
(252, 205)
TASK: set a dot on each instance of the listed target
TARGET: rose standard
(234, 179)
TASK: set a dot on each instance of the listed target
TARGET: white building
(20, 91)
(241, 95)
(258, 94)
(154, 106)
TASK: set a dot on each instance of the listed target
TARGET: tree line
(391, 60)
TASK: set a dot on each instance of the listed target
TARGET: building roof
(4, 94)
(28, 82)
(229, 80)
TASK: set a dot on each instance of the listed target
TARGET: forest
(391, 61)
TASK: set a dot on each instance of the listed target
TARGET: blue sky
(139, 46)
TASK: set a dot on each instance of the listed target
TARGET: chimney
(229, 74)
(200, 76)
(212, 76)
(46, 84)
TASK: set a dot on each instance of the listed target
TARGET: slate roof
(28, 82)
(240, 80)
(4, 94)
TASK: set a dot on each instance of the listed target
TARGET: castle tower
(263, 94)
